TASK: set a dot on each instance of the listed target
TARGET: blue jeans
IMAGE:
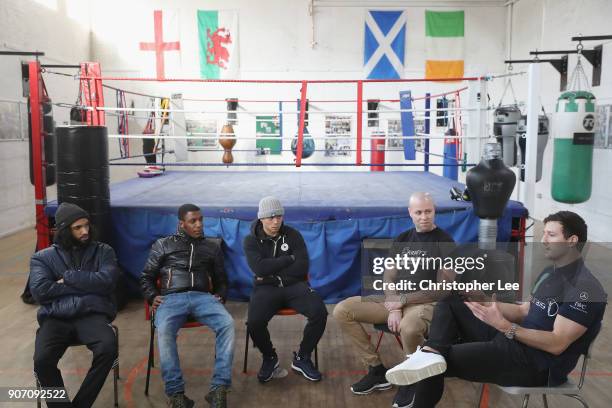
(206, 309)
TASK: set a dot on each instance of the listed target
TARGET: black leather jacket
(182, 264)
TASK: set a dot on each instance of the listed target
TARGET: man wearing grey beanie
(277, 255)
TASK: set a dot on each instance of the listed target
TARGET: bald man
(410, 314)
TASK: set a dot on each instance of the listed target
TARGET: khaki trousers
(353, 313)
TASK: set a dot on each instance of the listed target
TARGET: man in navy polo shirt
(532, 344)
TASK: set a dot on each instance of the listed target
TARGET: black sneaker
(217, 398)
(304, 366)
(404, 397)
(180, 400)
(268, 365)
(374, 380)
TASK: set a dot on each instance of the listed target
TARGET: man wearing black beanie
(73, 281)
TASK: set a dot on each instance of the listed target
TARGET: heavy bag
(504, 128)
(573, 125)
(83, 173)
(521, 133)
(450, 171)
(48, 138)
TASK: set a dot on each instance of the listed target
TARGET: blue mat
(334, 211)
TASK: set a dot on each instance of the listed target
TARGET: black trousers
(148, 147)
(267, 300)
(53, 338)
(474, 351)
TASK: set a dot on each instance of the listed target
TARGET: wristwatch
(512, 332)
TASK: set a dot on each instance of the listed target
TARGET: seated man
(193, 284)
(73, 281)
(532, 344)
(410, 317)
(278, 257)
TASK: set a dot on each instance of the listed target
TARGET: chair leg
(379, 340)
(579, 399)
(246, 352)
(544, 400)
(399, 341)
(115, 386)
(317, 356)
(526, 401)
(150, 359)
(38, 403)
(482, 391)
(117, 336)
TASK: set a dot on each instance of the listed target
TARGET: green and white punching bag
(574, 124)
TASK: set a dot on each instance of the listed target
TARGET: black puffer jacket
(184, 264)
(280, 261)
(87, 287)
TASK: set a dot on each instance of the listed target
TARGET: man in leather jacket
(192, 283)
(73, 281)
(278, 257)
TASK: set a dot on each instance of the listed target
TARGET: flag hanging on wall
(444, 44)
(162, 38)
(218, 39)
(384, 44)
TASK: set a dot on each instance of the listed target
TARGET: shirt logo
(284, 247)
(584, 296)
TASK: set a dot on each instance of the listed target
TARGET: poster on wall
(267, 127)
(394, 132)
(206, 128)
(603, 127)
(337, 135)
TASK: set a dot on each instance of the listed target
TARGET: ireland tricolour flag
(218, 38)
(444, 44)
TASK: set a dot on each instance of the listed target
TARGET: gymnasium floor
(337, 361)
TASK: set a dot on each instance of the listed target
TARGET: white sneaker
(419, 366)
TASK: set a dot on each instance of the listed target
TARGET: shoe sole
(410, 405)
(407, 377)
(265, 380)
(377, 387)
(299, 370)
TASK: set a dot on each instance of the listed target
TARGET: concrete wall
(275, 43)
(61, 30)
(549, 25)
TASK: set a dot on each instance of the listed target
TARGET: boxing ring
(334, 210)
(326, 207)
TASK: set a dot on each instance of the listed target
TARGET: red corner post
(359, 121)
(38, 148)
(91, 89)
(300, 140)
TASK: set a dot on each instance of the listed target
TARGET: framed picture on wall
(394, 131)
(337, 135)
(206, 128)
(267, 127)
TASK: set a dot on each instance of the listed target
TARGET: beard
(81, 243)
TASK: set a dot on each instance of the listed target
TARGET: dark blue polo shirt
(574, 293)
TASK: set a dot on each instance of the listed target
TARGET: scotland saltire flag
(384, 44)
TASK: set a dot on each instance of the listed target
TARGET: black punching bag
(48, 137)
(490, 185)
(83, 173)
(521, 132)
(504, 128)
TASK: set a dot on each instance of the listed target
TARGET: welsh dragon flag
(218, 39)
(444, 44)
